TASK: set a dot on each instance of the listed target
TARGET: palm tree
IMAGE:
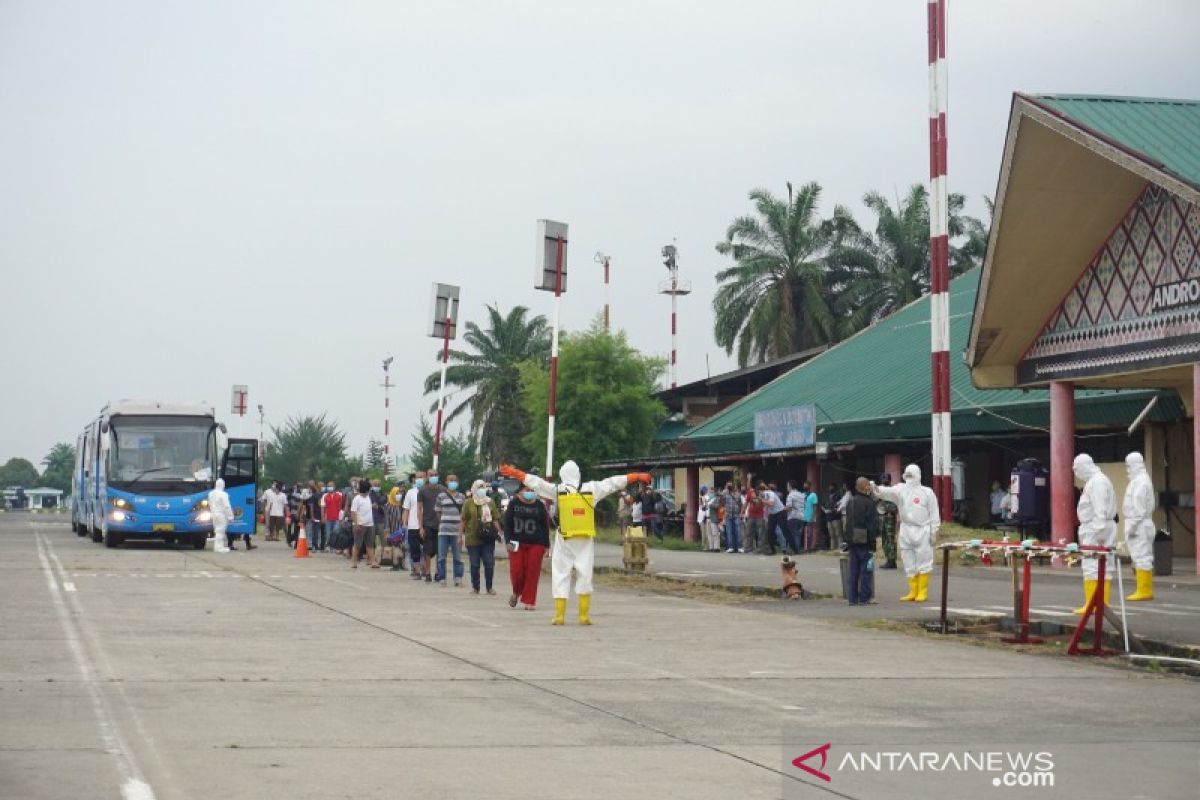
(491, 375)
(774, 299)
(876, 273)
(970, 253)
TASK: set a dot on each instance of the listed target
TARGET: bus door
(239, 469)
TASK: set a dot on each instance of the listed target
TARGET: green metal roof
(875, 386)
(1163, 132)
(670, 430)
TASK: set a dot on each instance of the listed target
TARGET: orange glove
(509, 471)
(639, 477)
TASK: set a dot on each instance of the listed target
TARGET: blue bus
(143, 470)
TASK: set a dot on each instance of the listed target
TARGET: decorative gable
(1136, 306)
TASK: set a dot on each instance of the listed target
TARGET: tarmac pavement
(151, 672)
(975, 591)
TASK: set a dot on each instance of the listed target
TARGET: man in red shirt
(756, 521)
(333, 512)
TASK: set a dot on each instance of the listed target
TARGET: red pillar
(690, 530)
(1196, 458)
(893, 464)
(1062, 453)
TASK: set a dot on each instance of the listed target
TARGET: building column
(893, 464)
(690, 529)
(1196, 461)
(1062, 454)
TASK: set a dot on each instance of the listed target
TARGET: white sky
(196, 194)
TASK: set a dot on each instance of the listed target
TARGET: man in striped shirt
(450, 532)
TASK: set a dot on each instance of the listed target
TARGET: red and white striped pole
(387, 413)
(674, 327)
(939, 258)
(551, 401)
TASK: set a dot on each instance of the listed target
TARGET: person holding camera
(481, 529)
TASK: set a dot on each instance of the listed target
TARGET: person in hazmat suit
(920, 519)
(222, 515)
(1137, 511)
(574, 541)
(1097, 511)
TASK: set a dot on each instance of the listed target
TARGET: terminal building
(1080, 333)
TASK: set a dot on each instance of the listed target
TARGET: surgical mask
(529, 496)
(481, 493)
(433, 479)
(420, 482)
(452, 485)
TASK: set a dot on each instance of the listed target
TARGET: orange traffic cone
(302, 545)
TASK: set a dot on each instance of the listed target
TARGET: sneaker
(474, 591)
(512, 600)
(491, 591)
(730, 550)
(458, 584)
(428, 579)
(741, 549)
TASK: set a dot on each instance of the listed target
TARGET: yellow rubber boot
(912, 590)
(1089, 586)
(585, 605)
(560, 611)
(1145, 586)
(1107, 593)
(922, 588)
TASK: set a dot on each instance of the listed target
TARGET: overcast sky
(197, 194)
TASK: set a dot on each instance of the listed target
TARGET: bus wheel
(97, 535)
(112, 539)
(199, 540)
(80, 528)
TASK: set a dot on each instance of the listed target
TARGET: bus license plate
(163, 526)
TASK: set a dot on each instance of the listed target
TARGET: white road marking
(68, 586)
(974, 612)
(345, 583)
(133, 787)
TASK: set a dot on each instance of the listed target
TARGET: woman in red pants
(527, 537)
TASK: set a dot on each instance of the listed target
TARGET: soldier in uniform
(887, 524)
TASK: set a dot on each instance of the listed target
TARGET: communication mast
(674, 287)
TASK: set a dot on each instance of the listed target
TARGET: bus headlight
(121, 503)
(204, 516)
(201, 505)
(118, 516)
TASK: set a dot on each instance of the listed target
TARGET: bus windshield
(161, 450)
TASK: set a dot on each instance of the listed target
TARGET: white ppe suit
(578, 552)
(222, 515)
(1137, 511)
(920, 519)
(1097, 511)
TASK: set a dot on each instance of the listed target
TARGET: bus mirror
(223, 428)
(104, 427)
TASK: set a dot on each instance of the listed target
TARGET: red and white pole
(551, 399)
(939, 258)
(674, 325)
(437, 431)
(606, 296)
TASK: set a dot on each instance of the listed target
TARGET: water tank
(958, 479)
(1029, 495)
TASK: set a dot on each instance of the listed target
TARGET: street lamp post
(674, 287)
(387, 414)
(601, 258)
(443, 322)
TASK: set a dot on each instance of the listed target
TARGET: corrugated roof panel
(876, 385)
(1163, 131)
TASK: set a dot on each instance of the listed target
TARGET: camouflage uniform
(887, 529)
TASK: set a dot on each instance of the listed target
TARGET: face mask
(452, 485)
(419, 482)
(433, 479)
(481, 493)
(529, 496)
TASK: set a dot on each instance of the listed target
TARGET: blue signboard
(785, 428)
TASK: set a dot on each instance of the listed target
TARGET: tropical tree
(970, 253)
(374, 459)
(491, 377)
(874, 273)
(306, 448)
(774, 300)
(456, 456)
(59, 464)
(19, 472)
(606, 406)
